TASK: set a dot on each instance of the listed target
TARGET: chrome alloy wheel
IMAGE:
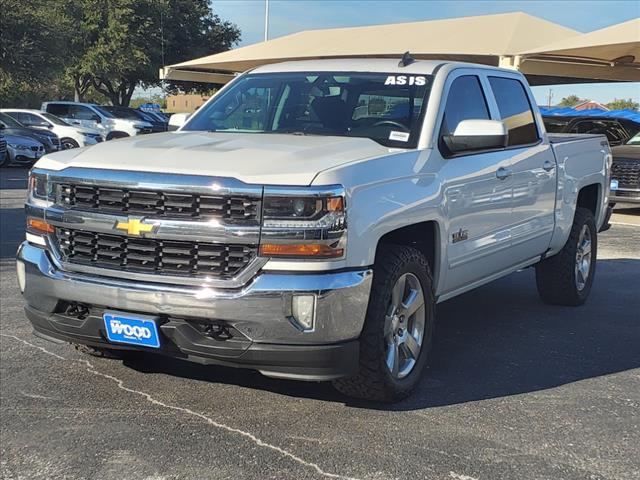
(583, 258)
(404, 326)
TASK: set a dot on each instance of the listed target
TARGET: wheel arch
(423, 236)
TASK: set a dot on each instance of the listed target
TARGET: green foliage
(32, 38)
(101, 49)
(571, 101)
(623, 104)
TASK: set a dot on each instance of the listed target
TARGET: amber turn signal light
(38, 225)
(311, 250)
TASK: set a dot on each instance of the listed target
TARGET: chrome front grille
(157, 203)
(627, 173)
(153, 256)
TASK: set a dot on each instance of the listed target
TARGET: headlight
(304, 223)
(18, 146)
(40, 190)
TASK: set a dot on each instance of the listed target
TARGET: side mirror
(177, 120)
(473, 135)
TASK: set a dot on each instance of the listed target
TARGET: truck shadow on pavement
(496, 341)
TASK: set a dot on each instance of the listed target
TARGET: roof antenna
(407, 59)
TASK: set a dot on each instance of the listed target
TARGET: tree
(622, 104)
(125, 42)
(571, 101)
(33, 35)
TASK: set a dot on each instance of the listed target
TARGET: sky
(290, 16)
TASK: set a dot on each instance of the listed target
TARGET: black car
(133, 114)
(617, 130)
(625, 172)
(11, 126)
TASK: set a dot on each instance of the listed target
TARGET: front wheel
(567, 277)
(398, 328)
(68, 143)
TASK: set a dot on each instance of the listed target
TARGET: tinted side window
(81, 112)
(465, 102)
(59, 110)
(515, 110)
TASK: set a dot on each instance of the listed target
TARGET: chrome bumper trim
(260, 310)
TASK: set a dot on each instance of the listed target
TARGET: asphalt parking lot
(516, 390)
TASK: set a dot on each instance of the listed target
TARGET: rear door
(533, 168)
(60, 110)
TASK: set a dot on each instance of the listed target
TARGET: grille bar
(627, 174)
(182, 258)
(148, 202)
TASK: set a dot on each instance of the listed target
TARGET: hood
(28, 132)
(20, 140)
(626, 151)
(276, 159)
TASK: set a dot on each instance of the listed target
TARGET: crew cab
(306, 220)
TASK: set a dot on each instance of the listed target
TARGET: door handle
(548, 166)
(503, 173)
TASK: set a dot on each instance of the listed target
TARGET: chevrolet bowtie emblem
(134, 227)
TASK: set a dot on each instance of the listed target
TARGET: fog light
(21, 275)
(303, 311)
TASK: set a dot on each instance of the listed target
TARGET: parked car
(129, 113)
(70, 136)
(159, 116)
(625, 172)
(617, 130)
(96, 117)
(11, 126)
(275, 231)
(3, 150)
(22, 150)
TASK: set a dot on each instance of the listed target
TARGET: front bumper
(624, 195)
(265, 336)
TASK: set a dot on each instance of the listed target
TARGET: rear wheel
(397, 333)
(567, 277)
(68, 143)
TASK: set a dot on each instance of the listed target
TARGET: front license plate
(131, 329)
(614, 184)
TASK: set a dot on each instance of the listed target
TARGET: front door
(477, 196)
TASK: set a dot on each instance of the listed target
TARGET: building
(589, 105)
(185, 102)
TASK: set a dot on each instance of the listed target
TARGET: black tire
(556, 276)
(68, 143)
(114, 135)
(101, 352)
(374, 381)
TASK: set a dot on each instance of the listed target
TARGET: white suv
(93, 116)
(70, 136)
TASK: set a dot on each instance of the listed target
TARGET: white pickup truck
(308, 218)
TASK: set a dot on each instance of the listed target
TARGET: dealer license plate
(131, 329)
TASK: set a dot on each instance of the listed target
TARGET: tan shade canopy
(489, 39)
(611, 53)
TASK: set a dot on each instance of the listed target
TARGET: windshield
(635, 140)
(10, 122)
(386, 108)
(55, 120)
